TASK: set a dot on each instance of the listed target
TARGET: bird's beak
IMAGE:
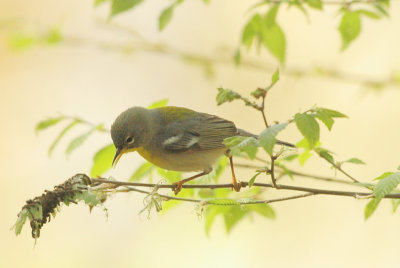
(117, 156)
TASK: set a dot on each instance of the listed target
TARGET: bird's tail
(244, 133)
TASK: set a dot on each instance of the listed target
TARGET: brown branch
(245, 184)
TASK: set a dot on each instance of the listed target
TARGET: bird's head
(129, 131)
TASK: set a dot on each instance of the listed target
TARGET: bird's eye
(129, 140)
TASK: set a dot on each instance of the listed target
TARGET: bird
(176, 138)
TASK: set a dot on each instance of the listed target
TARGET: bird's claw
(177, 188)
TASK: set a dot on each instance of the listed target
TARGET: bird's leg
(179, 184)
(236, 185)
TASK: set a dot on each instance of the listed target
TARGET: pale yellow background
(98, 84)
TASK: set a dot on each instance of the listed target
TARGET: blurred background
(86, 77)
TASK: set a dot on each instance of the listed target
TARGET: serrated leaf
(158, 104)
(42, 125)
(267, 137)
(325, 118)
(262, 209)
(275, 77)
(142, 171)
(350, 27)
(119, 6)
(165, 17)
(242, 144)
(222, 202)
(317, 4)
(78, 141)
(371, 207)
(309, 127)
(62, 134)
(226, 95)
(354, 160)
(102, 160)
(386, 185)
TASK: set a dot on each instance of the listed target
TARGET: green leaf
(309, 127)
(384, 175)
(381, 9)
(21, 41)
(325, 118)
(267, 137)
(158, 104)
(332, 113)
(171, 176)
(42, 125)
(222, 202)
(165, 17)
(354, 160)
(62, 134)
(53, 36)
(102, 160)
(170, 204)
(386, 185)
(270, 17)
(368, 14)
(119, 6)
(142, 171)
(371, 207)
(99, 2)
(251, 30)
(210, 215)
(237, 57)
(274, 39)
(262, 209)
(253, 179)
(303, 157)
(20, 221)
(232, 216)
(325, 154)
(275, 77)
(226, 95)
(395, 204)
(242, 144)
(317, 4)
(78, 141)
(350, 27)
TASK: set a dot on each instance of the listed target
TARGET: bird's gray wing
(204, 132)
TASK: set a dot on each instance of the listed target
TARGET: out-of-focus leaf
(371, 207)
(395, 204)
(332, 113)
(99, 2)
(210, 215)
(275, 77)
(119, 6)
(303, 157)
(325, 118)
(262, 209)
(62, 134)
(237, 57)
(274, 39)
(170, 204)
(368, 14)
(325, 154)
(171, 176)
(53, 36)
(42, 125)
(158, 104)
(253, 179)
(165, 17)
(267, 137)
(142, 171)
(102, 160)
(309, 127)
(350, 27)
(232, 216)
(317, 4)
(78, 141)
(384, 175)
(354, 160)
(20, 41)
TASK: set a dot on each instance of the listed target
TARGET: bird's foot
(237, 185)
(178, 187)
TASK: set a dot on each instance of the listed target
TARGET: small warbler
(175, 138)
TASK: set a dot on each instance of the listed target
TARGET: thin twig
(245, 184)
